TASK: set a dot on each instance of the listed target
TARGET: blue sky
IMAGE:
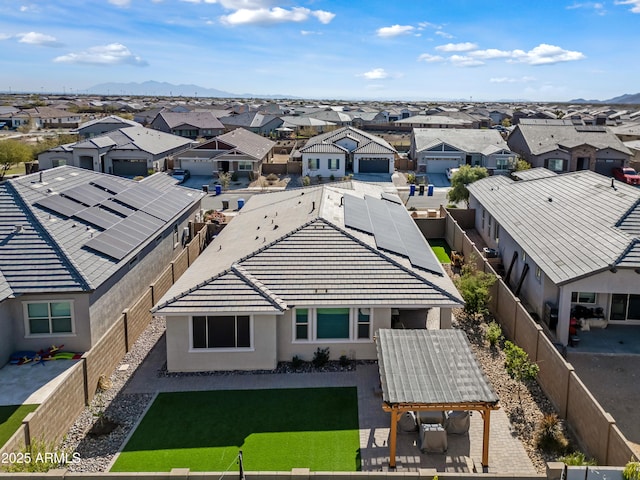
(350, 49)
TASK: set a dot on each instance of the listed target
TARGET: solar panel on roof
(99, 217)
(86, 194)
(118, 208)
(109, 184)
(138, 196)
(384, 229)
(63, 206)
(109, 246)
(391, 198)
(168, 205)
(356, 214)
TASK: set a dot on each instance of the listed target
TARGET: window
(538, 273)
(502, 163)
(58, 162)
(364, 323)
(334, 163)
(524, 256)
(483, 217)
(313, 164)
(302, 324)
(583, 297)
(49, 318)
(245, 166)
(555, 164)
(496, 233)
(316, 324)
(222, 332)
(489, 223)
(176, 238)
(332, 323)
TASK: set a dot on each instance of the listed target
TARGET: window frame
(50, 318)
(315, 166)
(554, 160)
(312, 325)
(242, 164)
(335, 162)
(208, 349)
(578, 301)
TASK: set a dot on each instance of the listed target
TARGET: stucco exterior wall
(360, 350)
(324, 164)
(7, 328)
(182, 358)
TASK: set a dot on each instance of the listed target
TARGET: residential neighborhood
(270, 257)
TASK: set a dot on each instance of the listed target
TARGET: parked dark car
(180, 174)
(626, 175)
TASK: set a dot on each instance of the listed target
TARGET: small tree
(631, 471)
(521, 165)
(13, 152)
(474, 286)
(225, 179)
(518, 365)
(493, 334)
(463, 177)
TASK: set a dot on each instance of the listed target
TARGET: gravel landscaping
(124, 410)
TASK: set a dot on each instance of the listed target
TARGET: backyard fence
(52, 419)
(595, 429)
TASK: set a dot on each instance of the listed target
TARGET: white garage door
(197, 167)
(440, 165)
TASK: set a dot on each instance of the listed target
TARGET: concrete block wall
(138, 317)
(105, 356)
(162, 285)
(594, 428)
(180, 265)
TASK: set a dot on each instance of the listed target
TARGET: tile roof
(137, 138)
(296, 246)
(533, 173)
(464, 139)
(248, 142)
(54, 244)
(430, 367)
(111, 119)
(197, 119)
(361, 137)
(571, 225)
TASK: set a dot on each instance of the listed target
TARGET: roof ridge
(387, 258)
(630, 247)
(190, 290)
(627, 213)
(261, 287)
(50, 239)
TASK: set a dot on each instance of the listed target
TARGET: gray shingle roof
(533, 173)
(464, 139)
(430, 367)
(295, 245)
(200, 120)
(248, 142)
(137, 138)
(566, 223)
(360, 136)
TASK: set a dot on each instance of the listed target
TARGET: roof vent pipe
(313, 205)
(612, 180)
(40, 177)
(341, 201)
(19, 228)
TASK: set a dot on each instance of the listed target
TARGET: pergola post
(393, 437)
(486, 417)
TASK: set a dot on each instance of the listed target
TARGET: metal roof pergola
(422, 370)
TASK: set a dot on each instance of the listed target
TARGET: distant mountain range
(164, 89)
(627, 98)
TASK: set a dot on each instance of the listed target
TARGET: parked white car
(451, 172)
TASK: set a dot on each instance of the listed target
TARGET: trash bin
(218, 189)
(205, 188)
(240, 203)
(225, 204)
(412, 190)
(430, 190)
(421, 189)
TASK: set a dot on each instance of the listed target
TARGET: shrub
(296, 362)
(549, 436)
(234, 176)
(631, 471)
(474, 286)
(332, 177)
(272, 177)
(225, 179)
(411, 178)
(493, 334)
(518, 365)
(344, 361)
(578, 459)
(306, 181)
(320, 357)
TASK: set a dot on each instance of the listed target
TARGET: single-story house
(256, 122)
(561, 146)
(188, 124)
(303, 269)
(77, 247)
(434, 121)
(346, 150)
(565, 240)
(48, 117)
(239, 151)
(130, 151)
(437, 149)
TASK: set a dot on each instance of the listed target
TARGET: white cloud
(34, 38)
(490, 53)
(635, 4)
(120, 3)
(4, 36)
(112, 54)
(512, 80)
(443, 34)
(426, 57)
(266, 16)
(309, 32)
(394, 30)
(465, 61)
(375, 74)
(545, 54)
(457, 47)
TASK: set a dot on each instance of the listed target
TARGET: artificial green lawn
(278, 429)
(11, 417)
(441, 248)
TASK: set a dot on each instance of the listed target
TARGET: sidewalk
(506, 453)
